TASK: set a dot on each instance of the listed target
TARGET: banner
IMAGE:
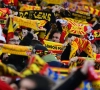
(53, 46)
(34, 24)
(74, 48)
(15, 49)
(77, 26)
(37, 15)
(84, 45)
(84, 8)
(89, 51)
(93, 11)
(78, 15)
(54, 1)
(26, 7)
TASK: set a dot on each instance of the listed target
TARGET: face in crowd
(8, 80)
(15, 40)
(95, 50)
(35, 82)
(56, 37)
(27, 84)
(24, 32)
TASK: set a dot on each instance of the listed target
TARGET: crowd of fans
(25, 36)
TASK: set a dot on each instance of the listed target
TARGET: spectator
(15, 40)
(35, 82)
(56, 36)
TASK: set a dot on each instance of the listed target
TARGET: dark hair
(27, 40)
(42, 83)
(70, 35)
(59, 26)
(29, 29)
(16, 34)
(53, 32)
(35, 42)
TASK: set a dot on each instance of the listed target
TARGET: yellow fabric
(54, 1)
(11, 1)
(35, 67)
(65, 28)
(74, 48)
(53, 45)
(10, 27)
(73, 64)
(28, 7)
(16, 49)
(15, 26)
(34, 24)
(89, 51)
(42, 34)
(41, 23)
(0, 51)
(7, 71)
(96, 84)
(97, 7)
(47, 36)
(77, 26)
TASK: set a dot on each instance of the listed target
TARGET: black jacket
(20, 62)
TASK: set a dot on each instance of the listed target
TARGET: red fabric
(7, 2)
(4, 12)
(98, 57)
(92, 75)
(94, 11)
(64, 32)
(4, 86)
(15, 2)
(62, 38)
(81, 43)
(69, 26)
(99, 13)
(9, 36)
(85, 28)
(41, 40)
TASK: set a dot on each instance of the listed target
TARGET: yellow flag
(74, 48)
(34, 24)
(54, 1)
(26, 7)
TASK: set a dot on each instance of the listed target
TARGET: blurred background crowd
(49, 44)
